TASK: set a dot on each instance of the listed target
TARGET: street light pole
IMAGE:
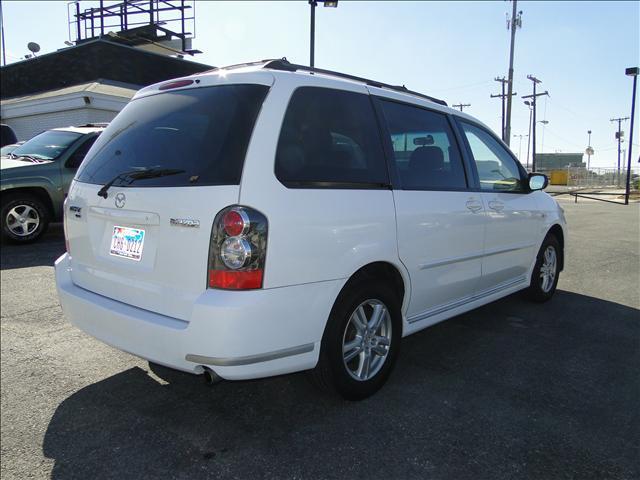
(589, 151)
(544, 127)
(520, 146)
(312, 4)
(312, 43)
(632, 72)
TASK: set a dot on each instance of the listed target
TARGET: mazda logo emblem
(120, 200)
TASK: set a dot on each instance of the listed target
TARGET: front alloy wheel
(544, 278)
(22, 220)
(24, 217)
(548, 269)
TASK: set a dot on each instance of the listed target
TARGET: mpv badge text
(184, 222)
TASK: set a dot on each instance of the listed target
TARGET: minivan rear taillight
(237, 249)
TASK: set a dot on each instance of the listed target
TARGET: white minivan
(269, 218)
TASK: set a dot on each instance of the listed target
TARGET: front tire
(361, 341)
(24, 218)
(545, 275)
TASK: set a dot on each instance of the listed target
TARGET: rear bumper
(239, 335)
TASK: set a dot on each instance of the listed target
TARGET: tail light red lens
(234, 280)
(237, 249)
(235, 222)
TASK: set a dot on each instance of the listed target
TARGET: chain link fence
(598, 177)
(580, 177)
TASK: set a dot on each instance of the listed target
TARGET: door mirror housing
(538, 181)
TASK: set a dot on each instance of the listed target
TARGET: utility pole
(461, 105)
(514, 23)
(533, 98)
(530, 105)
(503, 95)
(619, 135)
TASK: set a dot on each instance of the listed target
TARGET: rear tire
(545, 275)
(25, 218)
(357, 359)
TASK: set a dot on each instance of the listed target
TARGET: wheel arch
(39, 192)
(386, 271)
(558, 232)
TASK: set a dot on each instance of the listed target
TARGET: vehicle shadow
(44, 251)
(511, 390)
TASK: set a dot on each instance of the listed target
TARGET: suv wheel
(24, 219)
(361, 341)
(544, 278)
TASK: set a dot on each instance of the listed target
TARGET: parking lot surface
(512, 390)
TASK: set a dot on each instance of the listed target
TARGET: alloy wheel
(22, 220)
(366, 339)
(548, 269)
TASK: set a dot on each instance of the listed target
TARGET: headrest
(430, 158)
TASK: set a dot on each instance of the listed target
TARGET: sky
(450, 50)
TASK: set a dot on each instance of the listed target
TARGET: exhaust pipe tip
(211, 377)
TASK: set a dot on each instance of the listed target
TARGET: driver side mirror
(538, 181)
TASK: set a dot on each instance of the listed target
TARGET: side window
(497, 169)
(76, 157)
(426, 154)
(330, 136)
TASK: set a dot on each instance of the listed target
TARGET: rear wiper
(134, 175)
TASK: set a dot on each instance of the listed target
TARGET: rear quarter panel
(314, 234)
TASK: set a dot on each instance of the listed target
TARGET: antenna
(33, 47)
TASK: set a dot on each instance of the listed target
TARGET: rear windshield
(48, 145)
(203, 133)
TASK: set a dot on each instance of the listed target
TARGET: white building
(92, 102)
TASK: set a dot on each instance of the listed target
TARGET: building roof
(100, 86)
(89, 61)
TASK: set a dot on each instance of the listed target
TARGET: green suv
(35, 179)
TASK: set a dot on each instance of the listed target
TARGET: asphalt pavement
(514, 390)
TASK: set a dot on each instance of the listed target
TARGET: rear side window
(202, 132)
(425, 151)
(330, 138)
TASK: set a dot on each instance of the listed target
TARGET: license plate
(127, 242)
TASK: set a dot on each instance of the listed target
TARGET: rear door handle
(474, 206)
(497, 206)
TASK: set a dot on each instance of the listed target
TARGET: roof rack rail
(285, 65)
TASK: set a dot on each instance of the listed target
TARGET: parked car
(36, 177)
(7, 135)
(7, 149)
(268, 219)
